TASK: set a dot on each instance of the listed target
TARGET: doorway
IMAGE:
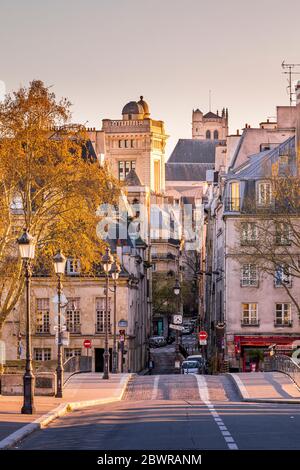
(99, 359)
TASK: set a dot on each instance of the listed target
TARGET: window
(132, 143)
(42, 354)
(100, 315)
(157, 176)
(73, 315)
(249, 314)
(249, 275)
(283, 315)
(249, 233)
(69, 352)
(154, 267)
(120, 144)
(42, 316)
(125, 167)
(208, 135)
(264, 193)
(282, 234)
(234, 200)
(73, 267)
(216, 135)
(283, 276)
(126, 144)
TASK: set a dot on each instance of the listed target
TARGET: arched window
(216, 135)
(208, 134)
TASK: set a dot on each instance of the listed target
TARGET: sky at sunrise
(103, 53)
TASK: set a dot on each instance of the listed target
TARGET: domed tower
(133, 110)
(145, 107)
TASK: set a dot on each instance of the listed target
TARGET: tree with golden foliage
(51, 183)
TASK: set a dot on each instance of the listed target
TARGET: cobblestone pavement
(167, 413)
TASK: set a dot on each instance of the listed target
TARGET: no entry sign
(203, 335)
(87, 343)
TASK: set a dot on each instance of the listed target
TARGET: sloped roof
(260, 165)
(194, 151)
(211, 115)
(187, 171)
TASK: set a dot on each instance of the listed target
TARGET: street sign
(87, 343)
(176, 327)
(203, 342)
(123, 324)
(177, 319)
(203, 335)
(65, 338)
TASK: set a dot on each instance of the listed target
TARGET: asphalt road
(174, 412)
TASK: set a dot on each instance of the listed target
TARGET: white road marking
(155, 388)
(241, 386)
(204, 396)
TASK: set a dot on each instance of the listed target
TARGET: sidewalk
(81, 390)
(273, 387)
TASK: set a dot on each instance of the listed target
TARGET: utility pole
(289, 70)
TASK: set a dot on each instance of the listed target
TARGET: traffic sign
(177, 319)
(203, 335)
(176, 327)
(87, 343)
(203, 342)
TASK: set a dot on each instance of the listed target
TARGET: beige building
(84, 314)
(135, 142)
(210, 126)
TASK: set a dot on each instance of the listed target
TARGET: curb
(58, 412)
(244, 395)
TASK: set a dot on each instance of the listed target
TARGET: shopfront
(251, 350)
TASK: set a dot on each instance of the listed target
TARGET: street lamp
(176, 290)
(59, 261)
(107, 261)
(115, 271)
(26, 245)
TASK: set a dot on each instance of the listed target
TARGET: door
(99, 359)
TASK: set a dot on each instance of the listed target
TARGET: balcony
(100, 328)
(283, 324)
(251, 322)
(232, 204)
(74, 328)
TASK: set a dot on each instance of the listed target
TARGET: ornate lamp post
(27, 250)
(176, 290)
(107, 261)
(59, 262)
(115, 271)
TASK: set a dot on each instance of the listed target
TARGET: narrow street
(174, 412)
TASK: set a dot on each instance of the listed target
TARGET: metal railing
(232, 204)
(76, 365)
(285, 364)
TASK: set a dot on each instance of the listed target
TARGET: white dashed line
(155, 388)
(204, 396)
(241, 386)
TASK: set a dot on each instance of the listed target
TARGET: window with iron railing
(42, 316)
(249, 314)
(101, 315)
(283, 315)
(249, 233)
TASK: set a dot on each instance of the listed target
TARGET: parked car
(201, 360)
(157, 341)
(190, 367)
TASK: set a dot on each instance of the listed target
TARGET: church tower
(209, 126)
(136, 142)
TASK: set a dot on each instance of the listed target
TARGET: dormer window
(264, 193)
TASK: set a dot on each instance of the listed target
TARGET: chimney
(298, 125)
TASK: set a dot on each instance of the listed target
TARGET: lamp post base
(28, 383)
(106, 365)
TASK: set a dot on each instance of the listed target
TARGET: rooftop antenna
(290, 71)
(209, 100)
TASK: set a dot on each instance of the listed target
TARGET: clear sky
(104, 53)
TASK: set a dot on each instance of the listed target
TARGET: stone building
(248, 310)
(210, 126)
